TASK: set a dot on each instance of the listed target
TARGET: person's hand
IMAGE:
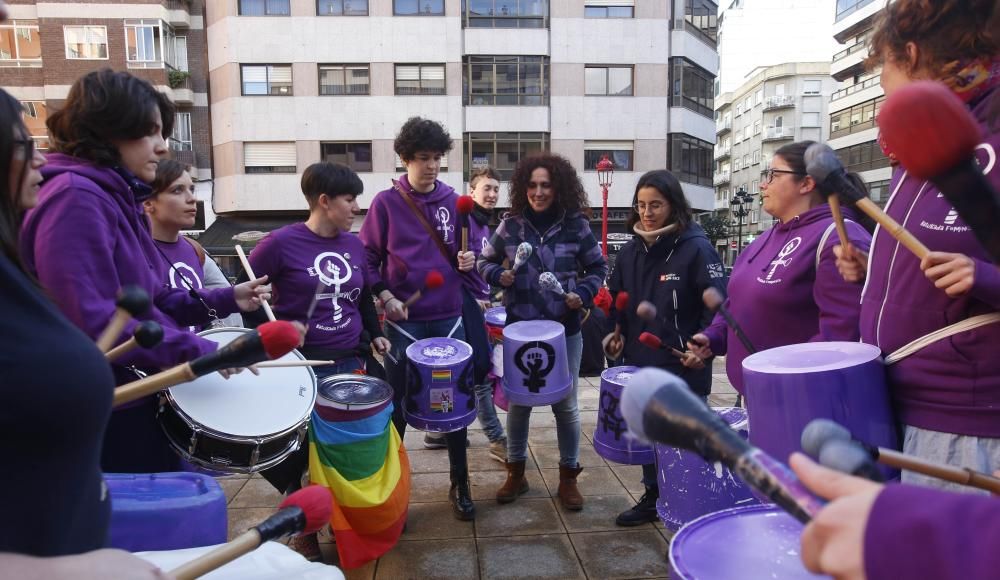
(692, 361)
(249, 295)
(573, 301)
(484, 305)
(699, 346)
(613, 346)
(953, 273)
(107, 563)
(507, 278)
(395, 310)
(381, 345)
(833, 542)
(466, 261)
(852, 263)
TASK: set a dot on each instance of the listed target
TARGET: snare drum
(245, 424)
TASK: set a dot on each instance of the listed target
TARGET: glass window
(690, 159)
(36, 113)
(701, 16)
(620, 154)
(20, 44)
(341, 7)
(264, 8)
(758, 97)
(691, 86)
(150, 44)
(608, 80)
(505, 13)
(86, 42)
(420, 79)
(810, 120)
(756, 127)
(608, 12)
(505, 80)
(267, 79)
(418, 7)
(812, 87)
(180, 139)
(344, 79)
(357, 156)
(501, 151)
(272, 157)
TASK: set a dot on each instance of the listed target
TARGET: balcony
(722, 152)
(778, 133)
(872, 82)
(720, 177)
(179, 13)
(778, 102)
(722, 127)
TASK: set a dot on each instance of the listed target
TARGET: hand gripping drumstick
(621, 303)
(303, 512)
(148, 334)
(464, 206)
(249, 270)
(658, 406)
(132, 301)
(432, 281)
(823, 165)
(821, 432)
(652, 341)
(269, 341)
(838, 220)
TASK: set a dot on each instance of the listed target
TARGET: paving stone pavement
(530, 538)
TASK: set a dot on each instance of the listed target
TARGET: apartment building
(45, 46)
(299, 81)
(778, 105)
(858, 98)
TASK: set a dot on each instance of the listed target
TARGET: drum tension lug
(255, 455)
(193, 441)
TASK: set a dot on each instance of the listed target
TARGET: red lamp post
(605, 171)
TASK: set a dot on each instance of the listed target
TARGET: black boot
(461, 497)
(644, 512)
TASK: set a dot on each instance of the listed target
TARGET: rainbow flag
(360, 458)
(441, 376)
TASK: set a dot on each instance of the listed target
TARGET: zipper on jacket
(892, 262)
(677, 324)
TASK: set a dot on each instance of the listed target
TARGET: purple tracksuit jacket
(779, 296)
(952, 385)
(479, 236)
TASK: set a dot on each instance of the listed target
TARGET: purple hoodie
(88, 237)
(479, 236)
(918, 532)
(400, 253)
(779, 297)
(952, 385)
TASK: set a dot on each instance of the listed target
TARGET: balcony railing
(720, 177)
(723, 126)
(721, 152)
(779, 102)
(778, 133)
(854, 88)
(861, 44)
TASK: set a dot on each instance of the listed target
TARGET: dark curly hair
(11, 212)
(104, 106)
(419, 134)
(569, 193)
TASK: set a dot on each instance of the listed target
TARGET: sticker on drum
(351, 392)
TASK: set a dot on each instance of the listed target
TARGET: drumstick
(464, 206)
(148, 334)
(274, 364)
(714, 302)
(838, 220)
(132, 301)
(320, 285)
(621, 303)
(303, 512)
(270, 340)
(249, 270)
(432, 281)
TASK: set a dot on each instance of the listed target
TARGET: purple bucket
(439, 390)
(690, 487)
(496, 319)
(610, 439)
(535, 367)
(757, 541)
(789, 386)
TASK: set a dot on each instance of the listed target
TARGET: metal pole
(604, 221)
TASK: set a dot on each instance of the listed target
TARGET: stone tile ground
(530, 538)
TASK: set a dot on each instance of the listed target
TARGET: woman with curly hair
(549, 211)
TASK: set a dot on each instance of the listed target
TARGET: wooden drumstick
(274, 364)
(960, 475)
(147, 334)
(249, 270)
(838, 220)
(131, 302)
(901, 234)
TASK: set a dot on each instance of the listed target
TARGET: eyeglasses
(27, 145)
(769, 174)
(654, 207)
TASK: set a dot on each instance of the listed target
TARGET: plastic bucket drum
(439, 390)
(535, 366)
(610, 439)
(496, 318)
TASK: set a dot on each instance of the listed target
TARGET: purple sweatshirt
(479, 236)
(181, 264)
(952, 385)
(296, 261)
(88, 237)
(779, 297)
(400, 252)
(918, 532)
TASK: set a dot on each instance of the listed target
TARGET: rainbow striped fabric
(359, 457)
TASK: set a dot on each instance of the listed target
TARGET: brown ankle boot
(569, 495)
(515, 485)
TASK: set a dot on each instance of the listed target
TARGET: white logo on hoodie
(443, 216)
(783, 260)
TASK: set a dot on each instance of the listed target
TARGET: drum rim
(634, 370)
(293, 445)
(761, 358)
(441, 363)
(352, 406)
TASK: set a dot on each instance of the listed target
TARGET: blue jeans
(474, 325)
(567, 412)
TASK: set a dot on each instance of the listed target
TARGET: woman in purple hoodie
(785, 288)
(945, 385)
(88, 237)
(412, 229)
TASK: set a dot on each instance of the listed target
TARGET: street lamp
(605, 171)
(740, 208)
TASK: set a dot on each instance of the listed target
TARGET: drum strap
(952, 329)
(423, 221)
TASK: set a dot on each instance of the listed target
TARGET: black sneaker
(644, 512)
(434, 441)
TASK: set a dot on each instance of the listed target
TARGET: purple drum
(789, 386)
(535, 367)
(439, 390)
(690, 487)
(610, 439)
(757, 541)
(496, 319)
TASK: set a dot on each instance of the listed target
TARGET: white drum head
(246, 405)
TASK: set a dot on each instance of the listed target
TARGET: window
(858, 118)
(737, 164)
(86, 42)
(35, 115)
(810, 120)
(420, 79)
(505, 13)
(756, 127)
(812, 87)
(748, 103)
(746, 160)
(755, 186)
(758, 97)
(269, 157)
(150, 44)
(180, 139)
(756, 157)
(619, 152)
(700, 16)
(846, 7)
(501, 151)
(608, 80)
(344, 79)
(505, 80)
(341, 7)
(779, 89)
(863, 157)
(878, 191)
(418, 7)
(691, 86)
(746, 132)
(267, 79)
(357, 156)
(180, 58)
(264, 8)
(690, 159)
(739, 109)
(600, 10)
(20, 44)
